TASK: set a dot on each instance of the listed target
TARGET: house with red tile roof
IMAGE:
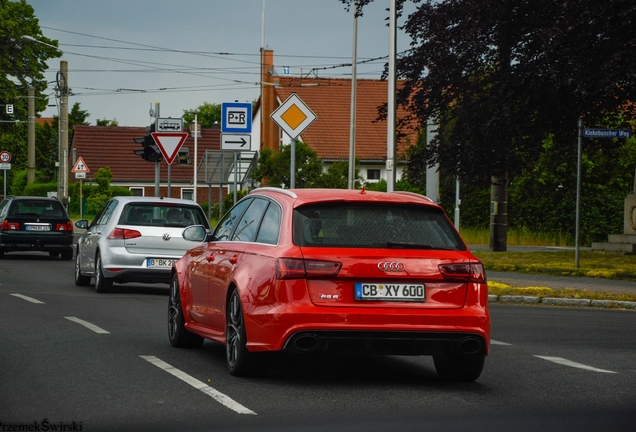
(329, 134)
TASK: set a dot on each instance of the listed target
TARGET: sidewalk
(560, 282)
(557, 282)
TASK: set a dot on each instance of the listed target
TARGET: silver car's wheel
(177, 333)
(80, 280)
(102, 285)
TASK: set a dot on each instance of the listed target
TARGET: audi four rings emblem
(166, 237)
(391, 266)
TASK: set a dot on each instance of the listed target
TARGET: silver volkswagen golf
(134, 239)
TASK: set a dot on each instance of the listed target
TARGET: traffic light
(150, 151)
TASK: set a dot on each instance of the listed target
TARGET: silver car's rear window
(374, 226)
(162, 215)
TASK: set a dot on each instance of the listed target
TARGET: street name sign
(169, 143)
(236, 142)
(606, 133)
(236, 117)
(80, 166)
(293, 116)
(169, 125)
(80, 175)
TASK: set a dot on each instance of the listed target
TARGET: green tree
(502, 75)
(22, 60)
(208, 115)
(337, 176)
(106, 122)
(275, 166)
(102, 192)
(22, 65)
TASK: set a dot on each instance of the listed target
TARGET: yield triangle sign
(169, 143)
(80, 166)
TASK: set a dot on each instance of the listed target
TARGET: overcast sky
(125, 55)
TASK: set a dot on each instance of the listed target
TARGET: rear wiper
(407, 245)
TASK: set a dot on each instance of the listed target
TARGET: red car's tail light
(295, 268)
(68, 226)
(469, 272)
(6, 225)
(123, 234)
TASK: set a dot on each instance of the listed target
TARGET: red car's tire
(459, 368)
(240, 361)
(177, 334)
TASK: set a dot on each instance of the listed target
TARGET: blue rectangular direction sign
(606, 133)
(236, 117)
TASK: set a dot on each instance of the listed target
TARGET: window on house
(137, 191)
(187, 194)
(373, 174)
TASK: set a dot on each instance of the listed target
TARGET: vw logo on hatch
(166, 237)
(391, 266)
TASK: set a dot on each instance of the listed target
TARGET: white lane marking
(27, 298)
(88, 325)
(566, 362)
(210, 391)
(494, 342)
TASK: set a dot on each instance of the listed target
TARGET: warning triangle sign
(169, 143)
(80, 166)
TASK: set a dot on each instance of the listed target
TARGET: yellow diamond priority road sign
(293, 116)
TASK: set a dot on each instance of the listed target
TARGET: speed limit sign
(5, 157)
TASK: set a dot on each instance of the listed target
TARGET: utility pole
(391, 110)
(63, 86)
(31, 137)
(157, 166)
(352, 126)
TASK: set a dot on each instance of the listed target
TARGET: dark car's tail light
(68, 226)
(468, 272)
(6, 225)
(295, 268)
(123, 234)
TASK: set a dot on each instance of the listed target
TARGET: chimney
(270, 134)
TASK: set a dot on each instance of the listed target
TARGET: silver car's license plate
(389, 292)
(159, 262)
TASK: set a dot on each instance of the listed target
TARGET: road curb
(561, 301)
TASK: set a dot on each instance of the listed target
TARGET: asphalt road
(71, 357)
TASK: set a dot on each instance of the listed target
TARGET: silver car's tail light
(468, 272)
(295, 268)
(123, 234)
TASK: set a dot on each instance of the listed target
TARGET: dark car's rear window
(151, 214)
(374, 226)
(35, 207)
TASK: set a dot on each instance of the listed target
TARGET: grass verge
(598, 264)
(500, 289)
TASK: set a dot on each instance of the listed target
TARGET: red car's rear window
(374, 226)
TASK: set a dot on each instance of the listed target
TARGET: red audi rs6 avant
(325, 270)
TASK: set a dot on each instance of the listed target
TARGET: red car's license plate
(389, 292)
